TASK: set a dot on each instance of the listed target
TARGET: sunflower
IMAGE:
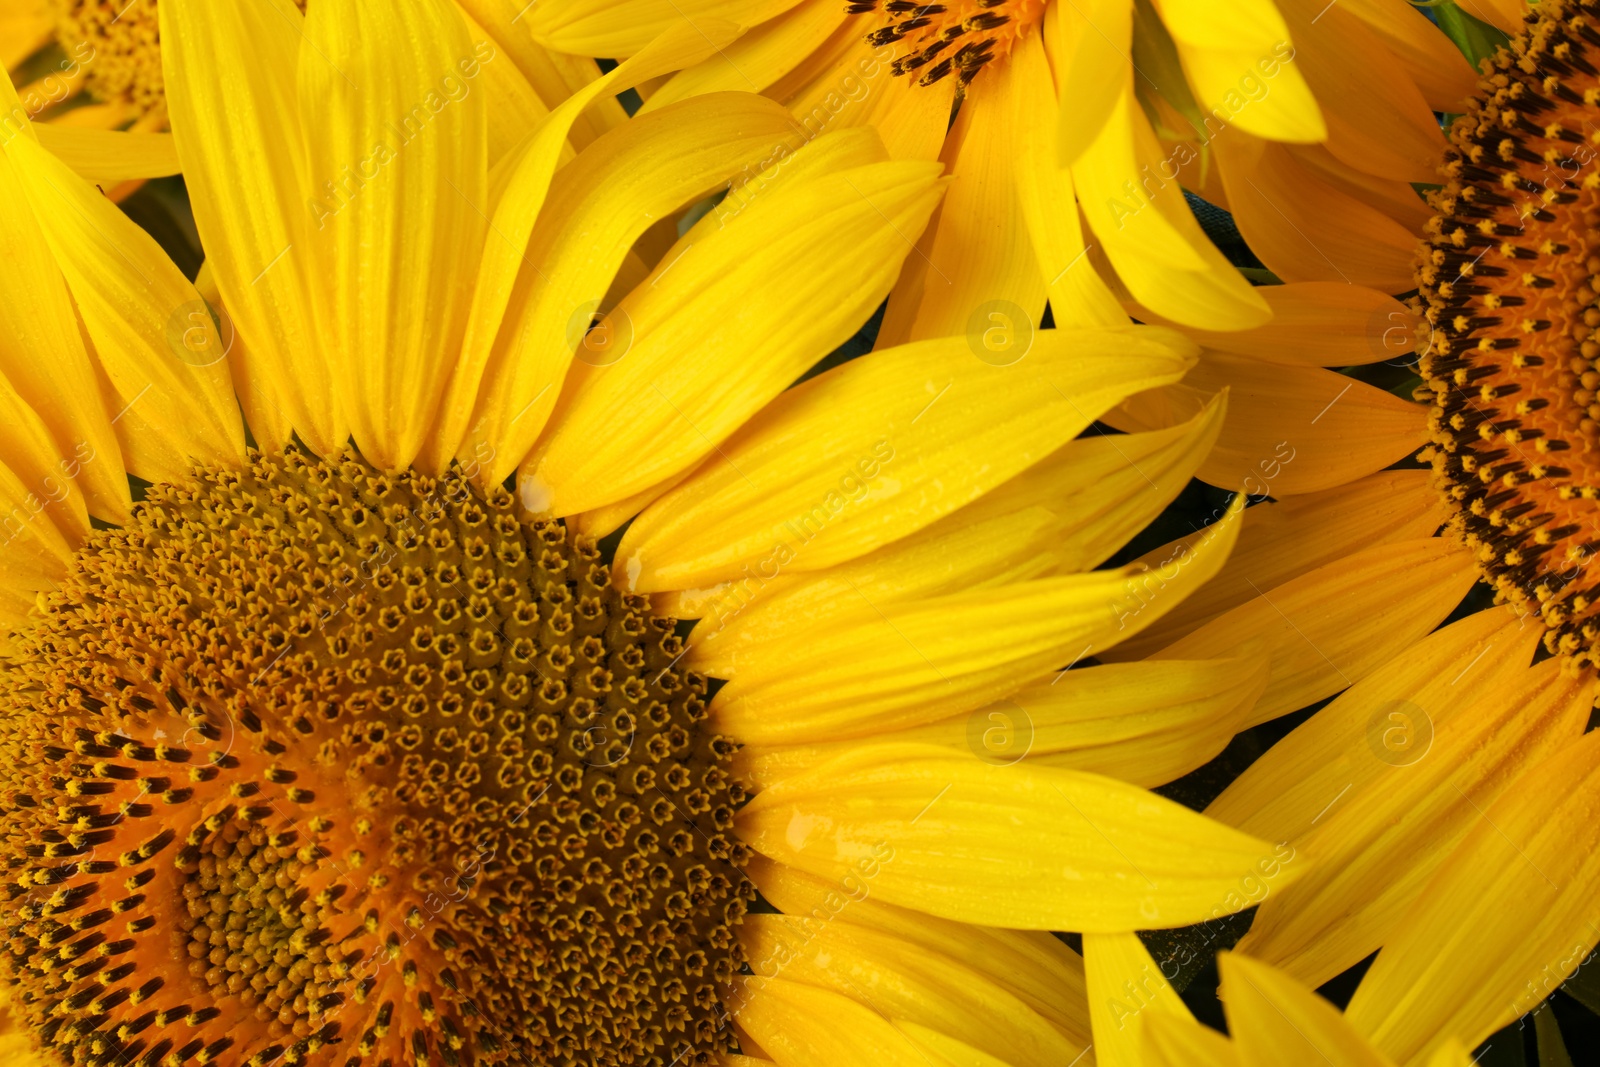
(1447, 789)
(363, 736)
(1258, 108)
(85, 67)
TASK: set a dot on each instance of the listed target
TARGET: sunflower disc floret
(1511, 277)
(316, 764)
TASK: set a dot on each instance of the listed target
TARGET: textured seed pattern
(942, 39)
(1511, 276)
(312, 764)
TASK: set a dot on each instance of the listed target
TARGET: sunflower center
(1512, 281)
(118, 42)
(958, 37)
(320, 765)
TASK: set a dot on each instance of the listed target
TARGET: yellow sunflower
(1448, 791)
(1259, 107)
(345, 743)
(85, 67)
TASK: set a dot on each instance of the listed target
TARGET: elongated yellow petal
(1033, 965)
(1305, 230)
(1289, 429)
(389, 112)
(1128, 190)
(825, 93)
(1320, 324)
(1331, 627)
(230, 75)
(800, 1025)
(623, 27)
(112, 156)
(652, 414)
(136, 306)
(597, 206)
(39, 462)
(946, 1048)
(1049, 206)
(893, 441)
(1175, 1041)
(1067, 513)
(1275, 1020)
(1145, 723)
(759, 58)
(36, 552)
(1378, 846)
(1377, 119)
(1242, 67)
(522, 183)
(1286, 538)
(952, 653)
(980, 261)
(1094, 72)
(1124, 984)
(42, 354)
(1285, 793)
(1441, 73)
(1020, 846)
(1512, 912)
(904, 982)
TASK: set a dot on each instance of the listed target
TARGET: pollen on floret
(950, 37)
(315, 764)
(1509, 273)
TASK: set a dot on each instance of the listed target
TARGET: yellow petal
(37, 553)
(1177, 1041)
(652, 414)
(942, 655)
(980, 261)
(1066, 513)
(1379, 844)
(1136, 208)
(905, 982)
(1441, 73)
(1020, 846)
(385, 92)
(521, 187)
(136, 306)
(759, 58)
(1275, 1020)
(1504, 15)
(1331, 627)
(1320, 324)
(42, 355)
(1285, 793)
(1145, 723)
(894, 441)
(1283, 539)
(1093, 69)
(1289, 429)
(553, 76)
(1124, 984)
(39, 460)
(515, 105)
(623, 27)
(1377, 119)
(1032, 965)
(803, 1026)
(230, 75)
(1305, 230)
(1243, 66)
(1511, 913)
(597, 206)
(109, 155)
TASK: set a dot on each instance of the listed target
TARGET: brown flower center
(956, 37)
(314, 764)
(1511, 278)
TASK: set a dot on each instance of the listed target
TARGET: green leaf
(1477, 40)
